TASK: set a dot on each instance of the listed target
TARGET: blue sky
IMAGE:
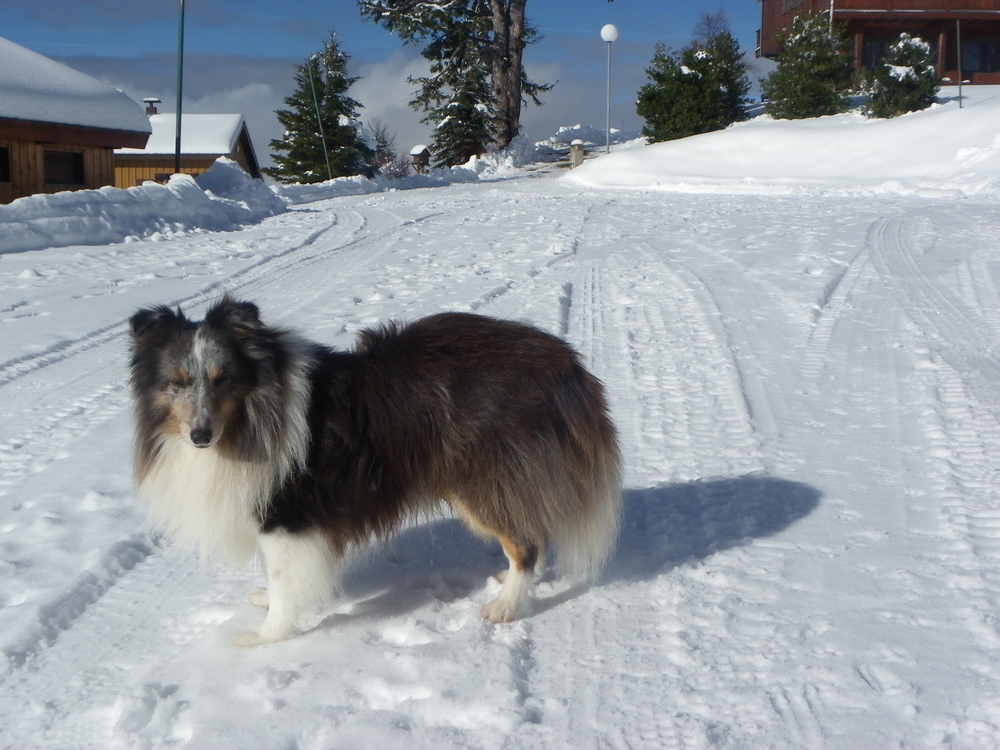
(239, 55)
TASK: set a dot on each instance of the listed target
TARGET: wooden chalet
(874, 25)
(204, 138)
(59, 127)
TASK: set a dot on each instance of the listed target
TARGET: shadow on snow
(662, 527)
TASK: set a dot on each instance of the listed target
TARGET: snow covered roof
(37, 89)
(200, 134)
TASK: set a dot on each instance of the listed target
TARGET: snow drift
(944, 150)
(223, 198)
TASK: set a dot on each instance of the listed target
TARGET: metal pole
(180, 89)
(607, 124)
(319, 121)
(958, 44)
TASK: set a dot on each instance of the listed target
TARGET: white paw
(250, 639)
(258, 598)
(501, 609)
(261, 637)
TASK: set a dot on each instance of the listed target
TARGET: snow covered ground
(806, 382)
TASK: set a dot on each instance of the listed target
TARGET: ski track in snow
(807, 400)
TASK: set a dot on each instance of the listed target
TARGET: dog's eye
(221, 380)
(178, 383)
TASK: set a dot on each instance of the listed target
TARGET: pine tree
(321, 83)
(730, 75)
(814, 71)
(456, 94)
(683, 96)
(712, 34)
(904, 80)
(497, 31)
(700, 89)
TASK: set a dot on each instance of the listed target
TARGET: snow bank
(358, 185)
(491, 165)
(222, 199)
(944, 150)
(229, 183)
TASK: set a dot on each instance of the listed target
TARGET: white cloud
(385, 92)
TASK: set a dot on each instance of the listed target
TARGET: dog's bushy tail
(585, 491)
(585, 541)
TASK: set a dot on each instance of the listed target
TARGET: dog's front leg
(300, 568)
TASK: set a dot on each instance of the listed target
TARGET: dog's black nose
(201, 437)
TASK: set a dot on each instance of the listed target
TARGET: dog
(252, 439)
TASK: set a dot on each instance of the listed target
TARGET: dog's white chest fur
(201, 499)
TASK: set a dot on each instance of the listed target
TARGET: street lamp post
(180, 88)
(609, 32)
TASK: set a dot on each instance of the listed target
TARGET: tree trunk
(508, 48)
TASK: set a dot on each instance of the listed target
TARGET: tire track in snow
(43, 440)
(106, 631)
(654, 339)
(858, 274)
(265, 271)
(962, 337)
(62, 612)
(698, 395)
(19, 367)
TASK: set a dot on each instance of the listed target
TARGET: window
(63, 168)
(4, 163)
(875, 49)
(980, 56)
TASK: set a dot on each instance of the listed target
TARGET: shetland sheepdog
(252, 438)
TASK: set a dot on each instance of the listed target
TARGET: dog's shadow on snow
(662, 527)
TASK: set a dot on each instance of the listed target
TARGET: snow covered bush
(813, 77)
(701, 89)
(681, 98)
(904, 80)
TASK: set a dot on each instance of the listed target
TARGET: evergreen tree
(814, 71)
(904, 80)
(683, 96)
(730, 75)
(712, 34)
(299, 155)
(494, 31)
(700, 89)
(456, 94)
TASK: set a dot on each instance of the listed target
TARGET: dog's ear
(155, 322)
(234, 315)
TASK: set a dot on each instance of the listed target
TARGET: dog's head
(191, 379)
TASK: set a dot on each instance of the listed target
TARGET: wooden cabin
(59, 127)
(874, 25)
(204, 138)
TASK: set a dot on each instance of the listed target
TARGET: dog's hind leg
(300, 569)
(515, 594)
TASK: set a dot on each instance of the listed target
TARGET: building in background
(204, 138)
(874, 25)
(59, 127)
